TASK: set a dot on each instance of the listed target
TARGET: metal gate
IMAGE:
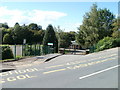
(36, 50)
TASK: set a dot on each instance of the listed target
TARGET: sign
(50, 44)
(24, 41)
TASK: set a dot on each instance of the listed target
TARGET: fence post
(35, 50)
(39, 50)
(15, 51)
(30, 50)
(22, 51)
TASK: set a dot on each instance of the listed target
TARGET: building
(74, 45)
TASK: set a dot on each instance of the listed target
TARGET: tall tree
(97, 24)
(105, 26)
(65, 39)
(5, 25)
(21, 33)
(88, 31)
(50, 37)
(38, 36)
(116, 29)
(34, 26)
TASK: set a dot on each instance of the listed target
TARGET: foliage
(116, 34)
(64, 38)
(106, 43)
(97, 24)
(8, 39)
(116, 31)
(50, 37)
(38, 36)
(21, 33)
(6, 53)
(34, 26)
(4, 25)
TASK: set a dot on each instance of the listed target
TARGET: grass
(7, 60)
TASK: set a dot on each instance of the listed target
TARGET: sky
(67, 15)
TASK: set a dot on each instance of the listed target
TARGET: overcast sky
(68, 15)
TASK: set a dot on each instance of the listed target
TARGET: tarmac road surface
(97, 70)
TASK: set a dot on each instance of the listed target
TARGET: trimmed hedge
(7, 53)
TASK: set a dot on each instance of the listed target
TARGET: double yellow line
(81, 65)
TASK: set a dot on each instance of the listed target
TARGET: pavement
(26, 62)
(96, 70)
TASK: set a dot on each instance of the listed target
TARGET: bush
(117, 42)
(106, 43)
(6, 53)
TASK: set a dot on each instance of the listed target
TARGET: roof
(74, 43)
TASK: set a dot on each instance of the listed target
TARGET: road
(96, 70)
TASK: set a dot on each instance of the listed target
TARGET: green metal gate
(36, 50)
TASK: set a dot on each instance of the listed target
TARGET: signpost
(51, 44)
(24, 41)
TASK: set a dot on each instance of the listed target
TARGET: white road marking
(98, 72)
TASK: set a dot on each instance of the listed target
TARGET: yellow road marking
(15, 78)
(80, 65)
(55, 66)
(19, 71)
(89, 64)
(54, 71)
(77, 62)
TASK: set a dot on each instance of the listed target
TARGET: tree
(34, 26)
(7, 39)
(16, 24)
(105, 26)
(4, 31)
(65, 39)
(97, 24)
(88, 31)
(21, 33)
(27, 34)
(50, 37)
(38, 36)
(72, 35)
(58, 32)
(5, 25)
(10, 35)
(17, 34)
(116, 31)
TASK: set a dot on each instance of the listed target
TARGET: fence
(92, 49)
(30, 50)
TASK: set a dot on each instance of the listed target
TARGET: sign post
(24, 41)
(50, 44)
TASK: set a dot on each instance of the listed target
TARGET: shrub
(117, 42)
(106, 43)
(6, 53)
